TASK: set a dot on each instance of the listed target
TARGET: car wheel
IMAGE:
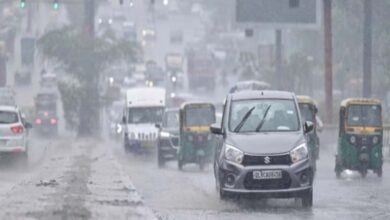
(160, 159)
(307, 199)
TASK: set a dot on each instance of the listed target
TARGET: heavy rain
(194, 109)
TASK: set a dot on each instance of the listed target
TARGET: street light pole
(328, 59)
(89, 19)
(367, 49)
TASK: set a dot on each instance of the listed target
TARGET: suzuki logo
(267, 160)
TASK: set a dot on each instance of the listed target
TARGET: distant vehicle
(154, 74)
(148, 37)
(174, 67)
(201, 69)
(250, 85)
(48, 80)
(168, 138)
(144, 108)
(262, 148)
(13, 133)
(360, 137)
(46, 119)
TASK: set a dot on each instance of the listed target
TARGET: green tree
(84, 59)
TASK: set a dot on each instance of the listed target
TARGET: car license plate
(267, 174)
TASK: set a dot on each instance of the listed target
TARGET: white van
(144, 109)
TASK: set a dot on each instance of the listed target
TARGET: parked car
(13, 133)
(261, 149)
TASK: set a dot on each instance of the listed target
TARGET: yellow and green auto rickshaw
(308, 109)
(196, 141)
(360, 137)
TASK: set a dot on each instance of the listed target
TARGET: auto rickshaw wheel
(379, 172)
(338, 169)
(160, 159)
(363, 172)
(307, 199)
(180, 164)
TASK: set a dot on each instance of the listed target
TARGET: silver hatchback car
(262, 148)
(13, 133)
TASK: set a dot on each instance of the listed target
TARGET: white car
(13, 133)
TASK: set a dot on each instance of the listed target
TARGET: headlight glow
(233, 154)
(165, 134)
(174, 79)
(299, 153)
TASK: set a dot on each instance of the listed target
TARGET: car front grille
(253, 160)
(253, 184)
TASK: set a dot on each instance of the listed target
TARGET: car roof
(262, 94)
(8, 108)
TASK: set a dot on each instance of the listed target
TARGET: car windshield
(307, 112)
(364, 115)
(280, 115)
(7, 117)
(171, 119)
(199, 116)
(145, 115)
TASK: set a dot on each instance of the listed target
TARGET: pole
(367, 49)
(278, 59)
(89, 19)
(328, 59)
(29, 17)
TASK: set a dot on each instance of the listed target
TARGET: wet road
(191, 194)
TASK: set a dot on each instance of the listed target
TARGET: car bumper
(237, 179)
(14, 145)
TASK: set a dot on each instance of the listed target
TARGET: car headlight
(233, 154)
(352, 139)
(375, 140)
(165, 134)
(299, 153)
(173, 79)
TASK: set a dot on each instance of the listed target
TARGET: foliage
(84, 58)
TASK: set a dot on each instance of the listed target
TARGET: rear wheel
(307, 199)
(160, 159)
(338, 169)
(379, 172)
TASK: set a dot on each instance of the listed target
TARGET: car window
(171, 119)
(364, 115)
(199, 116)
(280, 115)
(8, 117)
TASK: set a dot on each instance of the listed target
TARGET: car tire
(160, 159)
(307, 199)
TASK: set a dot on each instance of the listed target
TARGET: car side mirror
(28, 125)
(308, 126)
(216, 129)
(123, 120)
(158, 126)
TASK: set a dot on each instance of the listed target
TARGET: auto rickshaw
(196, 141)
(308, 109)
(360, 137)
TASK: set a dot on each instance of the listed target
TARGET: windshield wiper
(263, 120)
(243, 120)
